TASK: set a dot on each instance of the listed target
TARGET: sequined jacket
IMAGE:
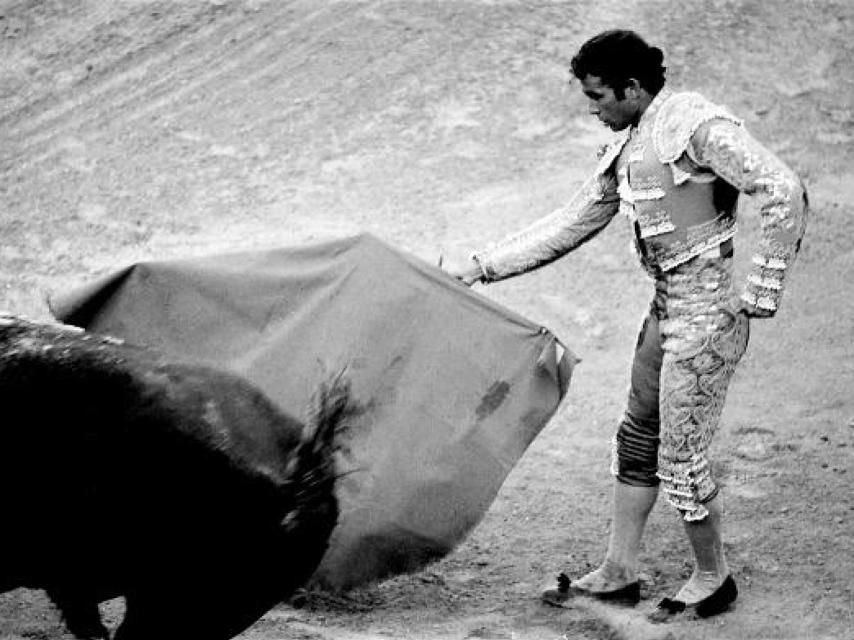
(676, 177)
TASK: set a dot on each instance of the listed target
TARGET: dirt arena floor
(143, 129)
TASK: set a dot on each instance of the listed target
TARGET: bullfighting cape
(453, 386)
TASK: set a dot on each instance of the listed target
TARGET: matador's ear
(633, 88)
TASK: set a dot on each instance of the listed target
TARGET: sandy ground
(138, 129)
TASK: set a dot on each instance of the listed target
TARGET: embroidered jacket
(676, 176)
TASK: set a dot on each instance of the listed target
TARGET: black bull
(179, 487)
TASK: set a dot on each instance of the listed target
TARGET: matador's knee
(634, 458)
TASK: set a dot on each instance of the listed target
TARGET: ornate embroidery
(774, 251)
(647, 183)
(770, 263)
(684, 483)
(654, 222)
(703, 339)
(766, 281)
(655, 193)
(701, 238)
(754, 296)
(711, 229)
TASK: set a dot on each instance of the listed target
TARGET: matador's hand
(466, 271)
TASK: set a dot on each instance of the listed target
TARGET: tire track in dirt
(161, 76)
(148, 42)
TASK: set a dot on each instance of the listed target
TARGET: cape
(453, 386)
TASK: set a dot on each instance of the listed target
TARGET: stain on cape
(495, 396)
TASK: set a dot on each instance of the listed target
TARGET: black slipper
(628, 595)
(712, 605)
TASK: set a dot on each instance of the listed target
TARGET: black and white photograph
(426, 319)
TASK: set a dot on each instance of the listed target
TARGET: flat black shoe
(628, 595)
(712, 605)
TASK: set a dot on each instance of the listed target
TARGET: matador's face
(603, 103)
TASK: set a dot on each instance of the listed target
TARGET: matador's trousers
(688, 347)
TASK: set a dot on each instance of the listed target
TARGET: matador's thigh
(703, 338)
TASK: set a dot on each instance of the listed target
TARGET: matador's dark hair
(616, 55)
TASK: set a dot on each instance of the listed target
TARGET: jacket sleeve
(550, 237)
(734, 155)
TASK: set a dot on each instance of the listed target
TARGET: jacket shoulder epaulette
(679, 118)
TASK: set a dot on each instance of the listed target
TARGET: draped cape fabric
(453, 386)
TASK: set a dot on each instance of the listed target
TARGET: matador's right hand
(466, 271)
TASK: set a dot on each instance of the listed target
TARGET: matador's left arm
(734, 155)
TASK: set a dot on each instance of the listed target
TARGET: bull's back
(118, 463)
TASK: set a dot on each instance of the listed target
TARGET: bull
(179, 487)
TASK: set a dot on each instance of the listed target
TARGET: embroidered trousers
(687, 350)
